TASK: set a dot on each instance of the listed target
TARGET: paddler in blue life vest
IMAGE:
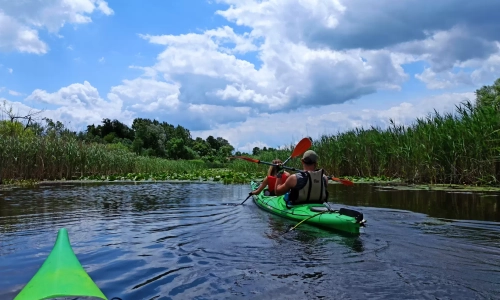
(307, 186)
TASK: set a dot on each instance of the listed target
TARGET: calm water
(182, 241)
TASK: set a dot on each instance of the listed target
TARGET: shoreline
(381, 185)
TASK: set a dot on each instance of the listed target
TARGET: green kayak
(320, 215)
(61, 275)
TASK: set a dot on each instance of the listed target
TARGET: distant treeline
(46, 149)
(460, 147)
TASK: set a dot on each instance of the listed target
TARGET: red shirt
(271, 181)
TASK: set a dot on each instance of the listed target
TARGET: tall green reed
(54, 157)
(440, 148)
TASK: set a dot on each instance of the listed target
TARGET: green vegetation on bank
(111, 151)
(459, 148)
(453, 148)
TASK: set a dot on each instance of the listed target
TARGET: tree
(489, 95)
(201, 147)
(30, 117)
(213, 143)
(255, 151)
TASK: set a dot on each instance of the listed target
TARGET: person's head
(272, 169)
(309, 160)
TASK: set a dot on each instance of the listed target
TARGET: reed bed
(451, 148)
(53, 158)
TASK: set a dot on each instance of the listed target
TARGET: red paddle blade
(301, 147)
(343, 181)
(247, 158)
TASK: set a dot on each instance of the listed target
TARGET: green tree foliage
(489, 96)
(145, 137)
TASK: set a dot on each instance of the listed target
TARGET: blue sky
(258, 73)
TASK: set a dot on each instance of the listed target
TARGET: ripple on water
(182, 241)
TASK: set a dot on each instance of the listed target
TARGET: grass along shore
(451, 149)
(41, 158)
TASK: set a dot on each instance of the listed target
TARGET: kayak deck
(61, 275)
(330, 219)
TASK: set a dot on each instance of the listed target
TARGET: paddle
(249, 195)
(302, 146)
(343, 181)
(299, 149)
(306, 220)
(328, 209)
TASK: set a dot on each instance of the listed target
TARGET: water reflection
(181, 241)
(439, 204)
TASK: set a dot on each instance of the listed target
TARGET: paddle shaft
(249, 195)
(344, 181)
(307, 219)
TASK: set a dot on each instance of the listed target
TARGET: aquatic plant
(30, 156)
(441, 148)
(452, 148)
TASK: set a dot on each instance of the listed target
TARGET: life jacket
(271, 182)
(314, 191)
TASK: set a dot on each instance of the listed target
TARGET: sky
(256, 72)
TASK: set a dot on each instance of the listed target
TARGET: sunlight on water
(182, 241)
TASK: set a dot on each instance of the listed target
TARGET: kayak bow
(345, 220)
(61, 275)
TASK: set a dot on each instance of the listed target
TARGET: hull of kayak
(61, 275)
(330, 220)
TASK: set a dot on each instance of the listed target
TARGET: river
(189, 241)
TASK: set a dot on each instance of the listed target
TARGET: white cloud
(291, 75)
(291, 68)
(80, 104)
(20, 21)
(16, 36)
(10, 70)
(274, 130)
(14, 93)
(305, 59)
(101, 60)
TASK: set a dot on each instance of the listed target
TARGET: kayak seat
(318, 208)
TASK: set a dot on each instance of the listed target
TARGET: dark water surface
(182, 241)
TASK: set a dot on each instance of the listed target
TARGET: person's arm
(283, 188)
(261, 187)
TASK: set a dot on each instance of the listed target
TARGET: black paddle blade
(249, 195)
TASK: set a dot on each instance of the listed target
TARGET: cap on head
(310, 157)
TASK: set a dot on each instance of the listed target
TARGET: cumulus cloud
(314, 53)
(291, 75)
(16, 36)
(273, 130)
(80, 104)
(280, 61)
(156, 99)
(20, 21)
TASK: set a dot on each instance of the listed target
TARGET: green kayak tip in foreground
(320, 215)
(61, 275)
